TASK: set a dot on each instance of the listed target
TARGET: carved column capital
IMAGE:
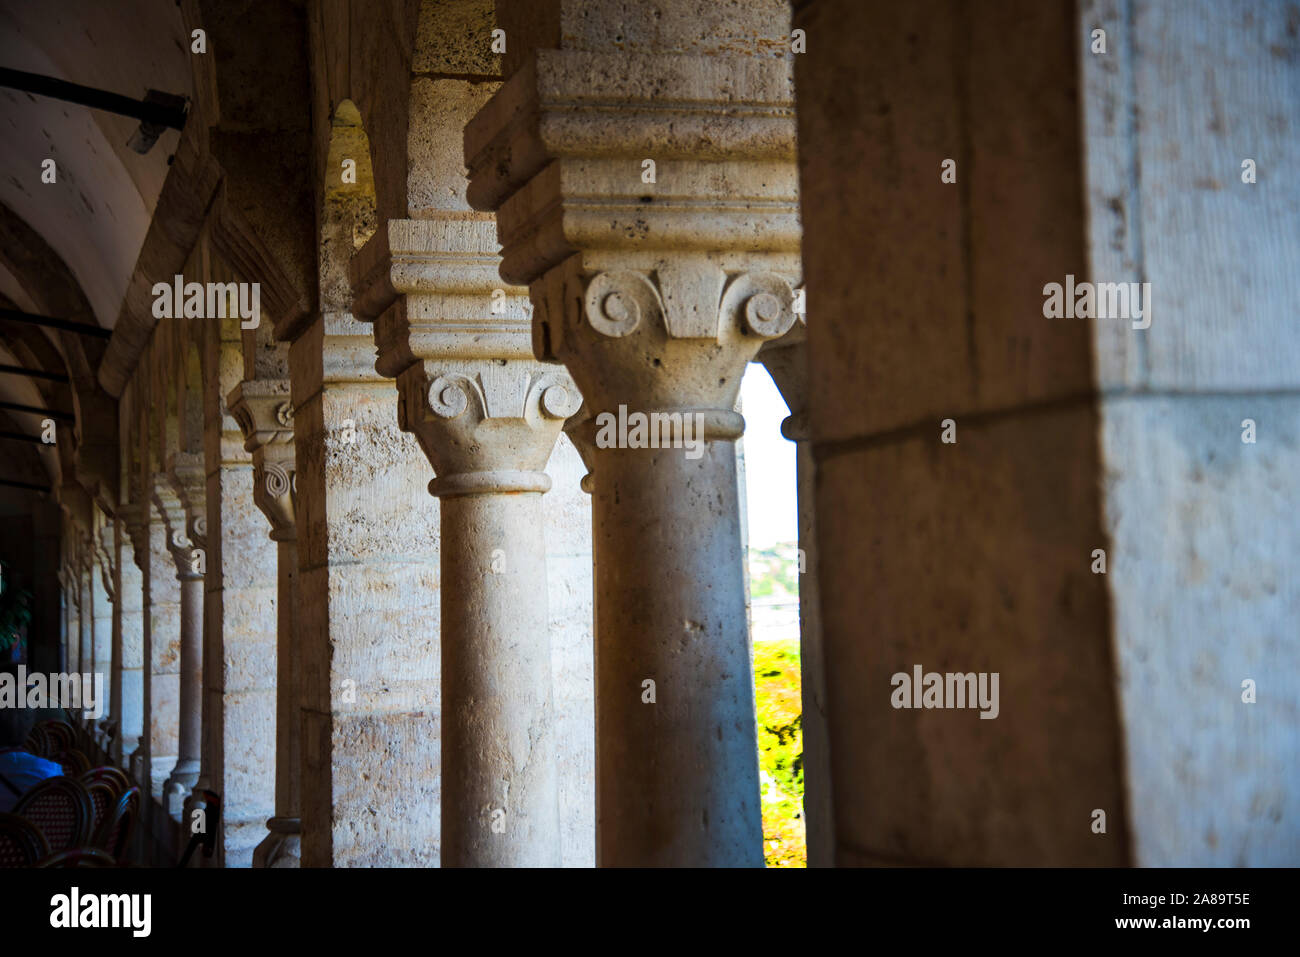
(654, 291)
(135, 518)
(171, 512)
(188, 476)
(264, 411)
(669, 339)
(107, 566)
(457, 339)
(486, 426)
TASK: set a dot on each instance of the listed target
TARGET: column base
(179, 786)
(138, 765)
(123, 749)
(193, 821)
(282, 847)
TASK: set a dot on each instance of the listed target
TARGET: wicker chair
(103, 798)
(73, 762)
(114, 834)
(62, 811)
(60, 734)
(79, 857)
(21, 844)
(107, 774)
(37, 742)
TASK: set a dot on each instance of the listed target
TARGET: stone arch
(348, 214)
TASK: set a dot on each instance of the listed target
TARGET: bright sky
(770, 481)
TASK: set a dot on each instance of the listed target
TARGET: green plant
(15, 612)
(780, 751)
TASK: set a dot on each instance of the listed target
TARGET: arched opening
(774, 562)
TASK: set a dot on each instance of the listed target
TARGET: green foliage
(780, 751)
(15, 611)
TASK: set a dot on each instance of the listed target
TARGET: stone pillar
(487, 415)
(265, 415)
(786, 359)
(240, 647)
(188, 551)
(1192, 188)
(131, 532)
(65, 605)
(955, 428)
(162, 635)
(71, 633)
(86, 604)
(46, 613)
(368, 596)
(105, 660)
(656, 314)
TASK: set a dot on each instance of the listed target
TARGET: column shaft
(676, 779)
(499, 794)
(190, 740)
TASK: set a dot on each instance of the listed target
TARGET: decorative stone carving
(265, 415)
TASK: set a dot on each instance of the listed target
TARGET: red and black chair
(73, 762)
(114, 834)
(103, 798)
(59, 734)
(107, 774)
(21, 843)
(62, 811)
(37, 742)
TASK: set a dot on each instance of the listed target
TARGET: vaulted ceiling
(69, 248)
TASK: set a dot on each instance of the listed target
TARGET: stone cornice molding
(434, 291)
(557, 153)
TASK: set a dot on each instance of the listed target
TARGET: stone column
(239, 611)
(131, 535)
(71, 632)
(105, 660)
(655, 296)
(189, 484)
(368, 587)
(265, 414)
(65, 604)
(85, 573)
(46, 613)
(487, 415)
(162, 636)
